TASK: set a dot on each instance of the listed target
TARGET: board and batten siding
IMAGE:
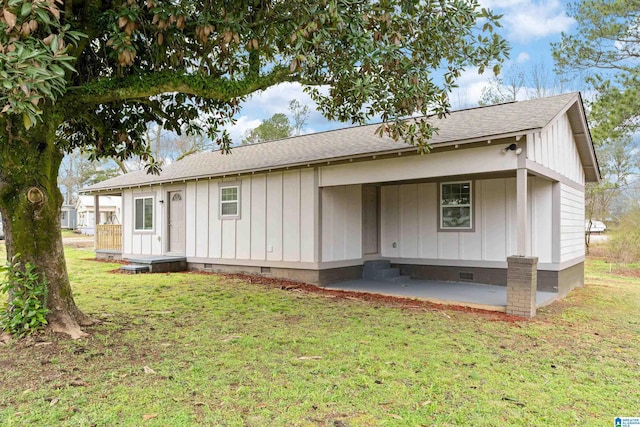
(276, 219)
(555, 148)
(572, 244)
(145, 242)
(341, 223)
(276, 222)
(409, 222)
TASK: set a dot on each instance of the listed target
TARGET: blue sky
(529, 26)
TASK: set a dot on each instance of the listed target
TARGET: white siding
(190, 219)
(571, 223)
(291, 216)
(202, 220)
(148, 242)
(127, 222)
(309, 218)
(276, 222)
(215, 224)
(495, 213)
(390, 221)
(555, 148)
(408, 199)
(274, 216)
(448, 163)
(409, 215)
(243, 225)
(341, 223)
(541, 214)
(427, 220)
(258, 217)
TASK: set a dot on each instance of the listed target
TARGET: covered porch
(107, 234)
(465, 294)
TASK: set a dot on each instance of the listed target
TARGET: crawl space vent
(465, 276)
(265, 270)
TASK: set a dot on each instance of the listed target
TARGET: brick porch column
(522, 284)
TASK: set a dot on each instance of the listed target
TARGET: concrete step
(161, 263)
(386, 273)
(370, 268)
(135, 268)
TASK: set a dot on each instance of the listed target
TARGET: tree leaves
(171, 62)
(10, 19)
(276, 127)
(606, 46)
(33, 65)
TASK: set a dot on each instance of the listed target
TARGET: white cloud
(538, 23)
(502, 4)
(276, 100)
(522, 57)
(469, 90)
(526, 20)
(264, 104)
(243, 124)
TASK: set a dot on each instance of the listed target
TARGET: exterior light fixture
(512, 147)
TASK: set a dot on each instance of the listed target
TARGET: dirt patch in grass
(626, 271)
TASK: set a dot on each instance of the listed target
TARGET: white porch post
(96, 219)
(522, 270)
(522, 209)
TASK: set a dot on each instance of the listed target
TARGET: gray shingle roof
(460, 126)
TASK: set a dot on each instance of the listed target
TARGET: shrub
(25, 312)
(624, 241)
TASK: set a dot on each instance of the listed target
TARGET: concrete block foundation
(314, 277)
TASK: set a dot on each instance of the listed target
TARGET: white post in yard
(96, 219)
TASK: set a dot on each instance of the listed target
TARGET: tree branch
(142, 87)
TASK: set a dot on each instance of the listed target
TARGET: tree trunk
(30, 204)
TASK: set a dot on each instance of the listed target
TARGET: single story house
(502, 183)
(109, 212)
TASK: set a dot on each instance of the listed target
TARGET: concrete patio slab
(474, 295)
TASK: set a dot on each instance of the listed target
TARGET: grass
(192, 349)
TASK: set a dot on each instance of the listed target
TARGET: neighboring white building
(500, 181)
(594, 226)
(68, 217)
(110, 212)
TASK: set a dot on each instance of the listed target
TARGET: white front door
(176, 222)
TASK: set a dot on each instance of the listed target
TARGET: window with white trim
(230, 201)
(456, 206)
(143, 213)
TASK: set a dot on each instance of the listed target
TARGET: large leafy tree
(95, 74)
(275, 127)
(605, 47)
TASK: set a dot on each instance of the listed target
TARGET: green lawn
(193, 349)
